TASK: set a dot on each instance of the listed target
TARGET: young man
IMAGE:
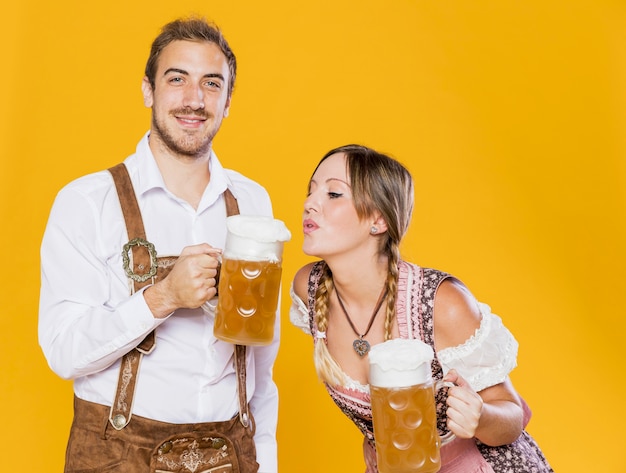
(100, 299)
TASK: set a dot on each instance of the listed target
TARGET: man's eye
(176, 80)
(213, 84)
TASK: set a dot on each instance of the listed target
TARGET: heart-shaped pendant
(361, 347)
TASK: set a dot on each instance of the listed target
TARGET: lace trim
(474, 341)
(355, 385)
(402, 297)
(298, 312)
(487, 357)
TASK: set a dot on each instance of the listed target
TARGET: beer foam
(255, 237)
(400, 363)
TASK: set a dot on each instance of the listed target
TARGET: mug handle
(449, 437)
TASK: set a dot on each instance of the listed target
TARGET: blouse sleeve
(298, 312)
(487, 357)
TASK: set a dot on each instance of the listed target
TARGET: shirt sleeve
(298, 312)
(488, 357)
(82, 329)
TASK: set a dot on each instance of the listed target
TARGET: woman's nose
(310, 204)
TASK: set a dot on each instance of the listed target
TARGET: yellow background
(510, 114)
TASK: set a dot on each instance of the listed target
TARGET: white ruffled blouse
(484, 360)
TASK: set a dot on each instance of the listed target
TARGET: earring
(373, 230)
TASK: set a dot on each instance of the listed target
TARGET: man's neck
(184, 176)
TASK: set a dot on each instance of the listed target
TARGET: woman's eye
(334, 195)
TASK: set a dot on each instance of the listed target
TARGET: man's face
(189, 99)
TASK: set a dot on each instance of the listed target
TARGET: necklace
(361, 347)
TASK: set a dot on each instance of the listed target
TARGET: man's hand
(190, 284)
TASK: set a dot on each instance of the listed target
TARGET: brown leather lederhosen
(226, 446)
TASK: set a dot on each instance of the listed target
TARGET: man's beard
(190, 145)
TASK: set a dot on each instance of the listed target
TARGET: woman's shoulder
(301, 279)
(456, 313)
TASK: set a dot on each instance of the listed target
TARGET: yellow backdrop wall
(511, 115)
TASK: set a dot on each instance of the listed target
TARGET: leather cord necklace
(361, 347)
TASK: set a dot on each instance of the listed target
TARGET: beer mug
(249, 283)
(403, 407)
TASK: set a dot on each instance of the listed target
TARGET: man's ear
(227, 108)
(146, 89)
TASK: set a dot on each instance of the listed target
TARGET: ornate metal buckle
(126, 259)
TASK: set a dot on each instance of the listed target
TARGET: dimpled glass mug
(403, 407)
(249, 282)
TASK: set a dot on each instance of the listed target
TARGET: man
(89, 320)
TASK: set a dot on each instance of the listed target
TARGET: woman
(362, 293)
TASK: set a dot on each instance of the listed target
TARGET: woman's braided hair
(379, 184)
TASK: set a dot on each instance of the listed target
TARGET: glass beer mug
(249, 283)
(403, 407)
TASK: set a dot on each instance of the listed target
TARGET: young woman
(361, 293)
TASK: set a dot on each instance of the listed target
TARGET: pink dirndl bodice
(417, 287)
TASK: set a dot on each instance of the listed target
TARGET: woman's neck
(360, 280)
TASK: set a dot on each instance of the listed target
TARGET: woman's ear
(379, 225)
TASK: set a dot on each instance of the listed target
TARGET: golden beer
(247, 302)
(405, 429)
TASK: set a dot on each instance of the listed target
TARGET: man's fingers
(201, 249)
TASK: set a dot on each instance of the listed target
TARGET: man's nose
(194, 97)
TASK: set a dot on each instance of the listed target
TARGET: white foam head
(400, 363)
(253, 237)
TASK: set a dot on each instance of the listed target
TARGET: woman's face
(331, 225)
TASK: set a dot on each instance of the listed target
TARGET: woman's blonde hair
(379, 184)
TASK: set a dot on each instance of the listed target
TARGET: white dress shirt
(88, 321)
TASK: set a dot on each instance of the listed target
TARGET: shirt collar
(146, 174)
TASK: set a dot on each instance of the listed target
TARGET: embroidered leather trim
(121, 409)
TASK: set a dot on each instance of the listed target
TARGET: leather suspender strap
(240, 369)
(142, 258)
(232, 207)
(142, 267)
(121, 409)
(132, 215)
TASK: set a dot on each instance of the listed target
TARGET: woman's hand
(464, 406)
(494, 416)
